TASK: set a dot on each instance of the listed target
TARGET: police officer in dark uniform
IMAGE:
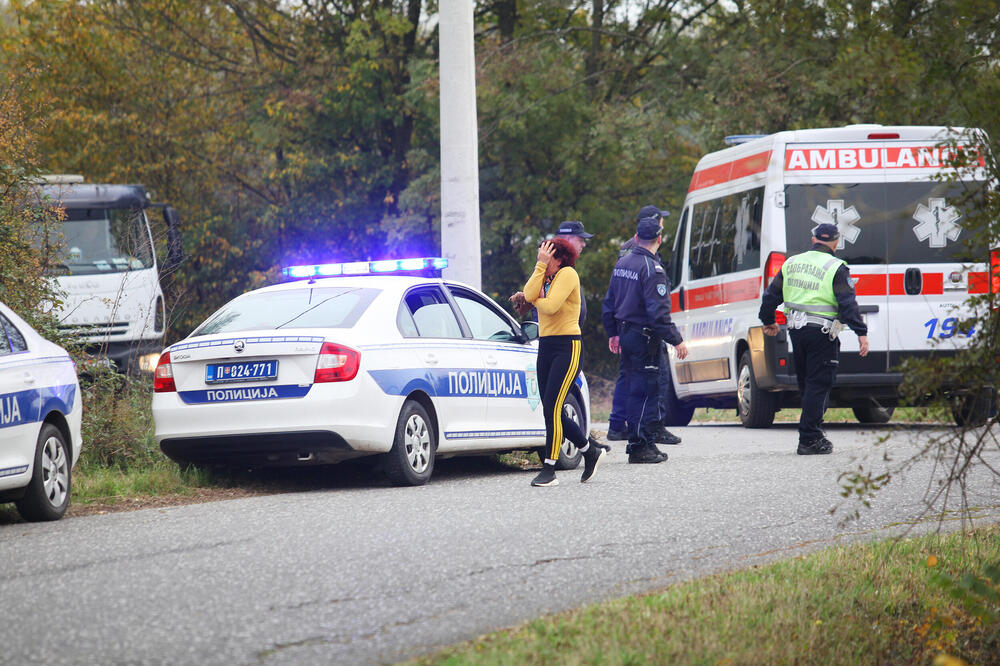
(636, 317)
(819, 299)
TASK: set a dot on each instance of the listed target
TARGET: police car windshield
(101, 240)
(888, 223)
(325, 307)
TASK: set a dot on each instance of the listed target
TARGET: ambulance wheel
(569, 455)
(756, 407)
(675, 412)
(47, 495)
(411, 459)
(973, 409)
(872, 413)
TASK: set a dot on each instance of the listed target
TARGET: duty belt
(801, 319)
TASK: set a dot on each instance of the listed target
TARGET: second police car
(325, 369)
(40, 414)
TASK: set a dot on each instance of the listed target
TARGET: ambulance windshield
(308, 307)
(888, 223)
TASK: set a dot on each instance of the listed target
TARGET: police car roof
(89, 195)
(384, 282)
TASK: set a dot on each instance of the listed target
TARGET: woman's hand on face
(546, 251)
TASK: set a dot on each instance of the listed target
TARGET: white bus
(107, 269)
(903, 221)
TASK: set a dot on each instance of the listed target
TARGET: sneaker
(817, 447)
(664, 436)
(591, 459)
(545, 478)
(617, 435)
(646, 455)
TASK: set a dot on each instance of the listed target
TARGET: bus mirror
(175, 251)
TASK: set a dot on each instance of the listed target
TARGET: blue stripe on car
(33, 405)
(243, 393)
(453, 382)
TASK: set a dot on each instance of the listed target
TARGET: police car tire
(47, 496)
(872, 413)
(762, 405)
(675, 412)
(410, 462)
(569, 456)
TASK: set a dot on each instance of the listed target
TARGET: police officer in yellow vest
(819, 299)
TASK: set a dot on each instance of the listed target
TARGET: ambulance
(902, 199)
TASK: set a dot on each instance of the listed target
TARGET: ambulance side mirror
(529, 330)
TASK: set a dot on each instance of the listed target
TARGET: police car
(325, 369)
(40, 411)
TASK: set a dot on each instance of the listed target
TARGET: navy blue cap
(826, 232)
(651, 211)
(573, 228)
(648, 228)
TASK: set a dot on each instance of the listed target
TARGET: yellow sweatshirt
(559, 309)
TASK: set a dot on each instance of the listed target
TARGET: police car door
(513, 412)
(17, 396)
(451, 364)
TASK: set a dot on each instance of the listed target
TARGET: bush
(117, 418)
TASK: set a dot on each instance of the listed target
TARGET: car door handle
(29, 378)
(491, 359)
(430, 359)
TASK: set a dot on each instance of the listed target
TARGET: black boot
(645, 454)
(817, 447)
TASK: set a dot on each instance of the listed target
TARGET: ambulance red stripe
(722, 173)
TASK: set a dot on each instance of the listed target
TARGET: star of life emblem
(835, 213)
(937, 222)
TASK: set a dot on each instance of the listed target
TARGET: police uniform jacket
(847, 304)
(639, 295)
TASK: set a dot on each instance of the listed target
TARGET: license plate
(243, 371)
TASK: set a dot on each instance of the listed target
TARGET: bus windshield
(102, 240)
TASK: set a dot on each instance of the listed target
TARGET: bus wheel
(872, 412)
(675, 412)
(755, 406)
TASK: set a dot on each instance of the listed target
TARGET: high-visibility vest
(807, 283)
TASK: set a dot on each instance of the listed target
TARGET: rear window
(327, 307)
(887, 223)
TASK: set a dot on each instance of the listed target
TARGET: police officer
(819, 300)
(636, 317)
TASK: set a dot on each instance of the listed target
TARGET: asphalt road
(359, 572)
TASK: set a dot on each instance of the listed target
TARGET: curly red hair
(564, 252)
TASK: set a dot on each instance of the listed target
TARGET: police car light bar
(380, 267)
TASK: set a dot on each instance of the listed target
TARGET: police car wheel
(569, 455)
(47, 495)
(872, 413)
(410, 462)
(756, 407)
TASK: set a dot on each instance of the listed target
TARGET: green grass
(96, 484)
(863, 604)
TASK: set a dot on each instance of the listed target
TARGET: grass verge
(872, 603)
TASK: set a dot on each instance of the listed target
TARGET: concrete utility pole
(460, 243)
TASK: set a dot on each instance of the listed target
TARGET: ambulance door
(508, 381)
(856, 204)
(929, 265)
(450, 364)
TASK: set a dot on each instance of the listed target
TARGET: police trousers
(817, 358)
(640, 358)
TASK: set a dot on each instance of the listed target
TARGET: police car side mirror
(529, 330)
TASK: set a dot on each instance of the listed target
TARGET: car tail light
(163, 377)
(883, 135)
(772, 267)
(336, 364)
(995, 271)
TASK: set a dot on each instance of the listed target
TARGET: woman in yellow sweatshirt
(554, 290)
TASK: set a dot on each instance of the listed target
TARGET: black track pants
(817, 358)
(559, 358)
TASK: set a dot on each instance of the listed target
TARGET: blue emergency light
(423, 265)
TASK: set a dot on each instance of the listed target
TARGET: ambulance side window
(16, 340)
(680, 251)
(432, 314)
(725, 234)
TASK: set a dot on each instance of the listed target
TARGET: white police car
(40, 411)
(325, 369)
